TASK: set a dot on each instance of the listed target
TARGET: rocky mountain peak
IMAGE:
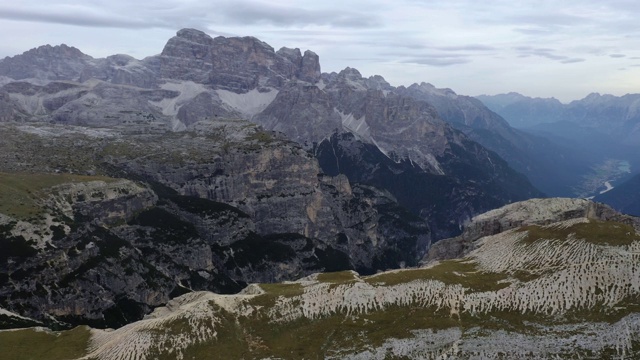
(62, 51)
(60, 62)
(350, 74)
(379, 83)
(308, 65)
(596, 98)
(247, 43)
(237, 64)
(188, 43)
(294, 55)
(194, 35)
(431, 89)
(310, 68)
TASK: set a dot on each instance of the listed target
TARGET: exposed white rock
(425, 344)
(534, 210)
(187, 91)
(38, 233)
(199, 310)
(249, 103)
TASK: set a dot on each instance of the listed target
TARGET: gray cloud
(533, 31)
(437, 61)
(547, 19)
(253, 12)
(617, 55)
(470, 47)
(572, 61)
(77, 18)
(547, 53)
(172, 14)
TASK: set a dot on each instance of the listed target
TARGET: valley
(603, 177)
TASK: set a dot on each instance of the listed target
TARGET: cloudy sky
(562, 48)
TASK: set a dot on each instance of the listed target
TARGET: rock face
(401, 132)
(197, 79)
(228, 205)
(121, 69)
(563, 289)
(235, 64)
(446, 201)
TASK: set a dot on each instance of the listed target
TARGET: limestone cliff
(212, 209)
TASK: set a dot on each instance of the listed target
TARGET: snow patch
(249, 103)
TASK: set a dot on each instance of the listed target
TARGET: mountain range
(601, 131)
(222, 196)
(132, 181)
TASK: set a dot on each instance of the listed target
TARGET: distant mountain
(550, 166)
(46, 62)
(594, 131)
(522, 111)
(616, 116)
